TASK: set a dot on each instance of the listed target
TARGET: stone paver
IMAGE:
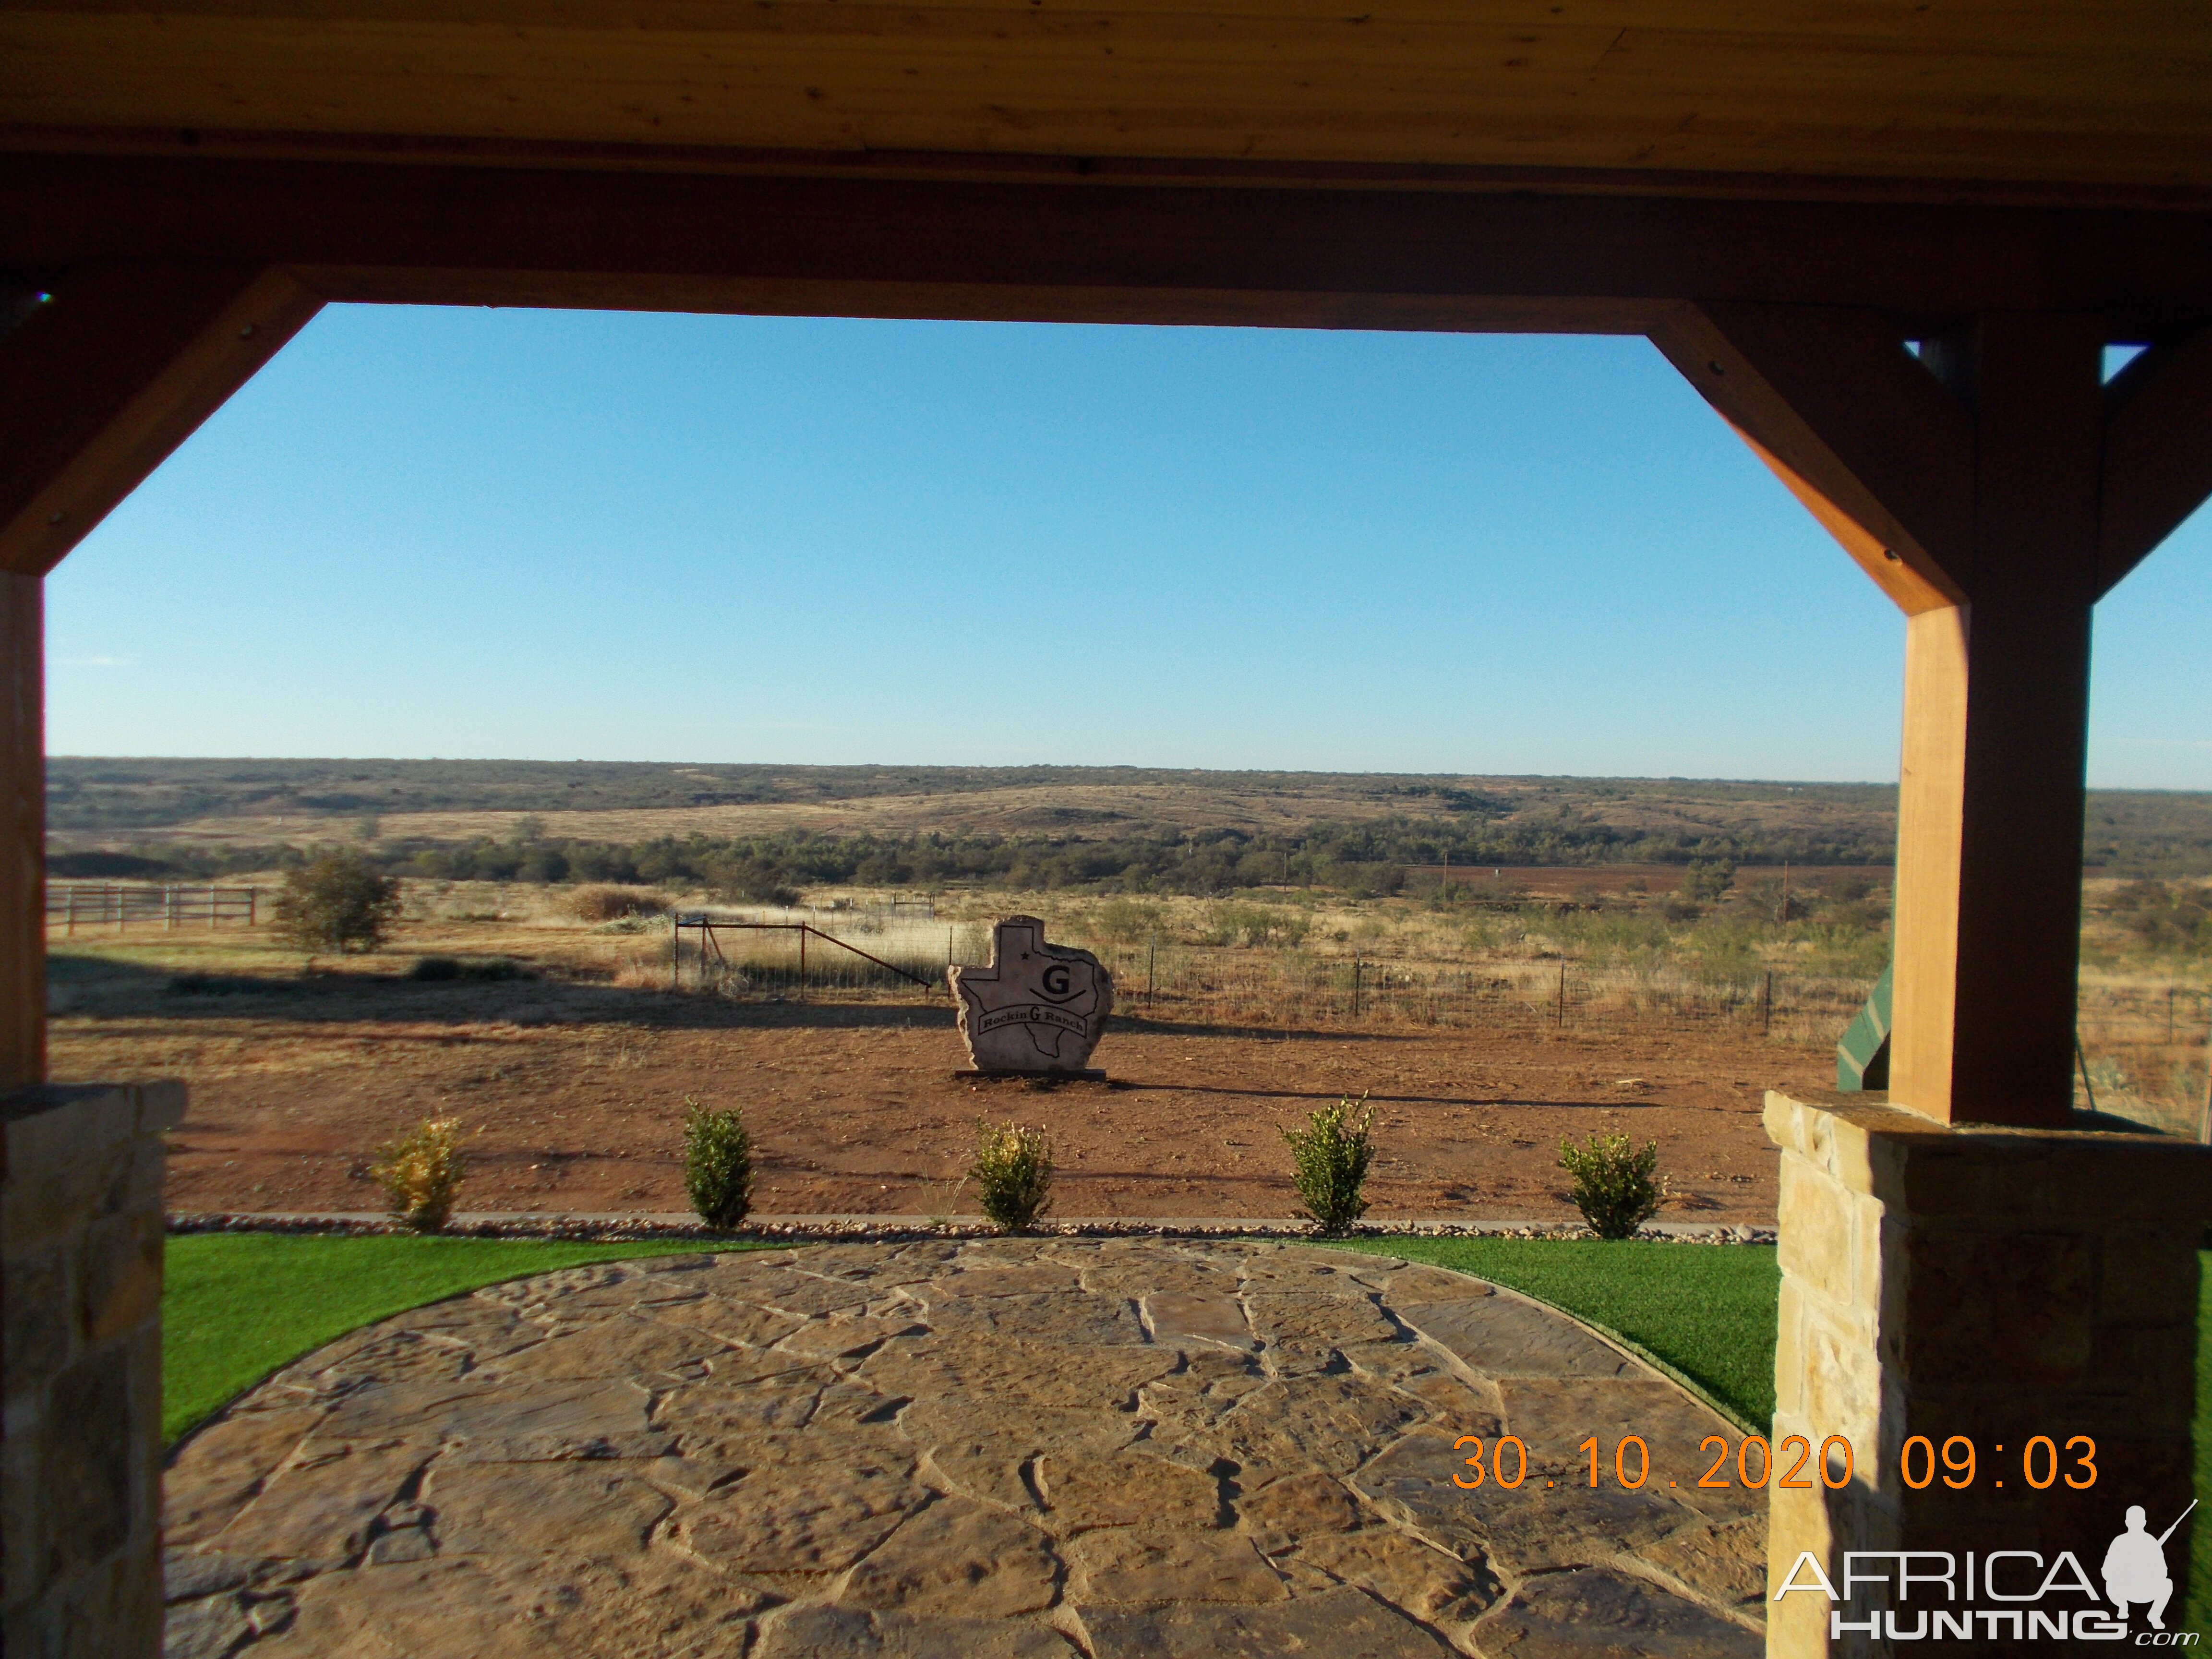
(1018, 1447)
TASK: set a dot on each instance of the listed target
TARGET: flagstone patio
(987, 1449)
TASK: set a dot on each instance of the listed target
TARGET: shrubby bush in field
(421, 1172)
(1012, 1173)
(1617, 1188)
(1256, 926)
(2165, 916)
(718, 1165)
(338, 902)
(1331, 1155)
(603, 901)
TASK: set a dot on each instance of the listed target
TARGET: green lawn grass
(1706, 1310)
(237, 1306)
(2199, 1616)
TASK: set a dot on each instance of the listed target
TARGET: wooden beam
(2158, 453)
(112, 373)
(1361, 255)
(22, 832)
(1863, 435)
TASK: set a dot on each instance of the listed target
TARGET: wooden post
(1989, 869)
(1995, 490)
(22, 832)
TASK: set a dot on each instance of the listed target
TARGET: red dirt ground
(574, 1095)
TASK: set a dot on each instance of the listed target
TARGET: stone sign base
(2023, 1299)
(1089, 1074)
(81, 1215)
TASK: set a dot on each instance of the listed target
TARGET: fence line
(75, 904)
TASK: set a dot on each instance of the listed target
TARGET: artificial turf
(237, 1306)
(2199, 1613)
(1708, 1310)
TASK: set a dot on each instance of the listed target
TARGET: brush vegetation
(421, 1173)
(338, 902)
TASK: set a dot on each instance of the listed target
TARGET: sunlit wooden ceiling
(2096, 102)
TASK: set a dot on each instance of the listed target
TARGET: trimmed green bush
(1331, 1155)
(1617, 1188)
(718, 1165)
(1012, 1172)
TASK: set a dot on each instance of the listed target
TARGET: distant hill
(172, 807)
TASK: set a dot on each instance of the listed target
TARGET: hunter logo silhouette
(2134, 1566)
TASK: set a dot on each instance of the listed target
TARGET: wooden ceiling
(2092, 104)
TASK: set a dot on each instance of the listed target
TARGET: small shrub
(718, 1165)
(338, 902)
(1014, 1173)
(605, 901)
(420, 1171)
(1332, 1153)
(434, 968)
(1706, 880)
(1617, 1188)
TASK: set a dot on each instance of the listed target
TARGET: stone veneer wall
(1993, 1283)
(80, 1235)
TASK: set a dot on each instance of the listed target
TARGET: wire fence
(71, 905)
(1280, 989)
(2144, 1046)
(2143, 1055)
(762, 953)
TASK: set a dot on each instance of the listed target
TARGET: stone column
(1996, 1284)
(80, 1465)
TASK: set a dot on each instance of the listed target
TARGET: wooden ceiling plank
(2158, 454)
(1175, 82)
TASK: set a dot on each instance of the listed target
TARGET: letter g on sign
(1057, 980)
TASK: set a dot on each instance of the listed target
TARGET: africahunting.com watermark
(2033, 1600)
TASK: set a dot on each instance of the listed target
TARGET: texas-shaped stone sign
(1038, 1008)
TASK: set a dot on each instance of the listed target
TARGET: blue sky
(561, 536)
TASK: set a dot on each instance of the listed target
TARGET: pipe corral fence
(73, 904)
(776, 972)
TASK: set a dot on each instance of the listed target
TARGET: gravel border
(878, 1230)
